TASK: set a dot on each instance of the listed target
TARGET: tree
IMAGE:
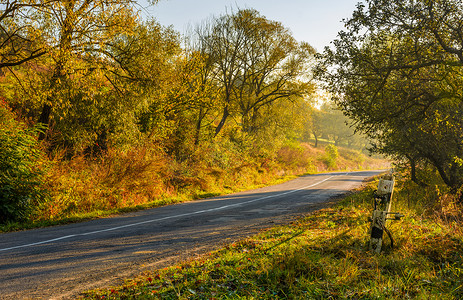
(77, 34)
(316, 125)
(150, 65)
(329, 122)
(396, 71)
(254, 62)
(18, 38)
(109, 98)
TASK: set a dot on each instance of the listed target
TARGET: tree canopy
(396, 71)
(126, 95)
(105, 76)
(255, 62)
(18, 40)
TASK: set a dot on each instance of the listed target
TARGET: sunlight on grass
(321, 256)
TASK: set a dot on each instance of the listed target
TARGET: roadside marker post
(382, 206)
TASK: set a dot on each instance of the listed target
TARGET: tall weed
(21, 169)
(146, 176)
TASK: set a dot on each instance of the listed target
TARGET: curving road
(59, 262)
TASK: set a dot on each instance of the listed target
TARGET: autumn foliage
(132, 116)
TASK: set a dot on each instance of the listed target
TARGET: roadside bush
(331, 155)
(295, 156)
(20, 168)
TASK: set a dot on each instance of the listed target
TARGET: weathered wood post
(382, 207)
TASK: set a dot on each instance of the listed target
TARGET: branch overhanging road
(59, 262)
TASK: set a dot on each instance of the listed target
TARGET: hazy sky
(314, 21)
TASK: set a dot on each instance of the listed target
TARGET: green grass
(321, 256)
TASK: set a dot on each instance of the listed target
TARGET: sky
(314, 21)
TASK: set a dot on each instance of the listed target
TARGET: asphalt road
(59, 262)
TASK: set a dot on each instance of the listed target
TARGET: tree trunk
(198, 126)
(225, 115)
(443, 174)
(46, 109)
(413, 172)
(413, 169)
(44, 119)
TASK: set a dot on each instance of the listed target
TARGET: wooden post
(382, 201)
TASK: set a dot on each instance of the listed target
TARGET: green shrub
(20, 168)
(331, 155)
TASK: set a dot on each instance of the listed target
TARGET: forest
(93, 95)
(104, 110)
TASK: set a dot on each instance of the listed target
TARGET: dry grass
(118, 181)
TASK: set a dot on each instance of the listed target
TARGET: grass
(323, 256)
(84, 188)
